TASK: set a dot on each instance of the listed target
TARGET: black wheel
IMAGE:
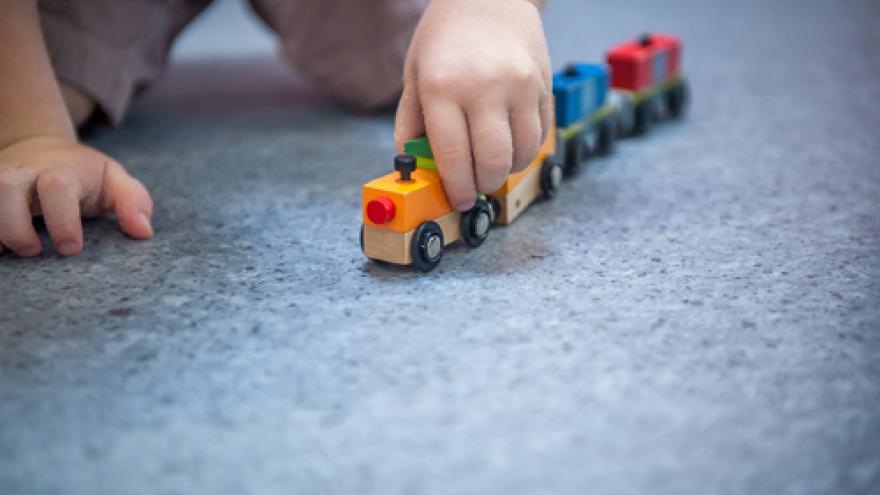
(590, 135)
(362, 238)
(643, 118)
(475, 223)
(496, 207)
(620, 128)
(677, 99)
(559, 154)
(607, 136)
(427, 246)
(551, 178)
(577, 154)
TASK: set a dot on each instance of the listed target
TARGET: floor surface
(699, 313)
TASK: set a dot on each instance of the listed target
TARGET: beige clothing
(111, 49)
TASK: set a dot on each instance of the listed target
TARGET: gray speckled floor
(699, 313)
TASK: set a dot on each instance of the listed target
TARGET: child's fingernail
(67, 248)
(145, 220)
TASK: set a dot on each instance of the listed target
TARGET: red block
(381, 210)
(634, 63)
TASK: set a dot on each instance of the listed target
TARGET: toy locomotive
(407, 219)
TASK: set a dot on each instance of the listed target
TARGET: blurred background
(698, 313)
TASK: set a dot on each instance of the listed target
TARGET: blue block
(580, 89)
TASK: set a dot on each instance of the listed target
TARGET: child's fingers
(129, 200)
(59, 194)
(16, 223)
(492, 147)
(448, 131)
(525, 123)
(409, 121)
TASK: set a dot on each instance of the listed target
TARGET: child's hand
(477, 80)
(63, 181)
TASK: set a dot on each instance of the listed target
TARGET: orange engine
(400, 205)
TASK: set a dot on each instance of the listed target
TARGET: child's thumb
(129, 200)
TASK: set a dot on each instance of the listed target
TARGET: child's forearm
(30, 100)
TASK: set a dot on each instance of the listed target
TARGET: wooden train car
(584, 116)
(647, 81)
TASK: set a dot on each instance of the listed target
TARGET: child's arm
(477, 81)
(43, 169)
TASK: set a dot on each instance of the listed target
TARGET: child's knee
(355, 49)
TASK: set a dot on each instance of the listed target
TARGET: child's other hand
(64, 181)
(477, 81)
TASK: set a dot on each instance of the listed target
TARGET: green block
(426, 163)
(419, 147)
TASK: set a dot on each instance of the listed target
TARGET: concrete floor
(698, 314)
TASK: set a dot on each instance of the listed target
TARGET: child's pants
(110, 49)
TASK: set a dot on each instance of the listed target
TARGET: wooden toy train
(407, 219)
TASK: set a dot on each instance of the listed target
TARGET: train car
(407, 219)
(647, 82)
(584, 116)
